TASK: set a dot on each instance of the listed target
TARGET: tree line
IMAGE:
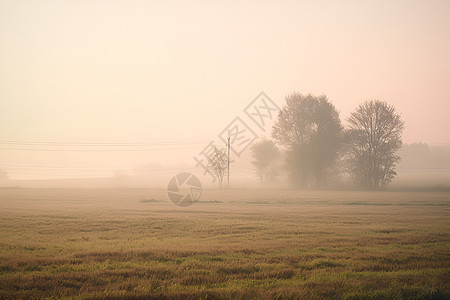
(312, 146)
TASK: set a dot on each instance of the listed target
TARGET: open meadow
(244, 244)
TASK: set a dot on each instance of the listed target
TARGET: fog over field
(224, 149)
(99, 89)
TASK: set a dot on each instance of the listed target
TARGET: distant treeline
(420, 157)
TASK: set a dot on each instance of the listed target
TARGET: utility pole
(228, 161)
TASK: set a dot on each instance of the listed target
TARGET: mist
(85, 96)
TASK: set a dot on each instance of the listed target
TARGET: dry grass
(234, 244)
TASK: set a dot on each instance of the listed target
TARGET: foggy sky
(173, 74)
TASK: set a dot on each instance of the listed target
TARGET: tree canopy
(266, 157)
(309, 129)
(373, 137)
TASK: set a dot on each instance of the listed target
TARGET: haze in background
(96, 88)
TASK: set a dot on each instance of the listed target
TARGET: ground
(112, 243)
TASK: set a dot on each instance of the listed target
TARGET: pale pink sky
(158, 72)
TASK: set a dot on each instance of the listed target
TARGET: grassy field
(240, 244)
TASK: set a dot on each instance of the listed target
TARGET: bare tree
(373, 137)
(309, 128)
(266, 155)
(218, 163)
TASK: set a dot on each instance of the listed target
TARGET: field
(244, 244)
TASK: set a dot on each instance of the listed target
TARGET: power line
(58, 146)
(109, 144)
(93, 150)
(148, 142)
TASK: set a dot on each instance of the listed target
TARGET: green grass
(285, 244)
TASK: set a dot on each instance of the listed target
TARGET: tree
(373, 137)
(218, 163)
(310, 130)
(266, 155)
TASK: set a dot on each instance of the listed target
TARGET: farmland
(113, 243)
